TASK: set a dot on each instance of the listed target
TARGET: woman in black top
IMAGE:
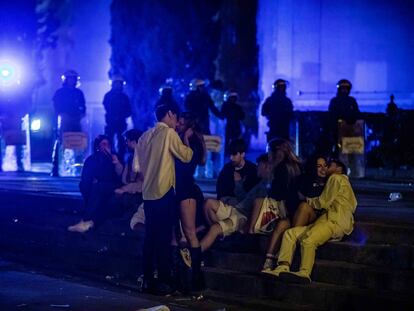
(311, 185)
(284, 188)
(189, 195)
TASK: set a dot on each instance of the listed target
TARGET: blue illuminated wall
(314, 43)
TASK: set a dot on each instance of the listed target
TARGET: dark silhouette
(278, 110)
(233, 113)
(342, 107)
(117, 110)
(199, 102)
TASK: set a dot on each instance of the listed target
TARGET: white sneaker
(156, 308)
(81, 226)
(269, 264)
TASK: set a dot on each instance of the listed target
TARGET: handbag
(270, 212)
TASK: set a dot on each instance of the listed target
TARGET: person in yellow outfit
(338, 203)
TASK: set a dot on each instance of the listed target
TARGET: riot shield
(351, 143)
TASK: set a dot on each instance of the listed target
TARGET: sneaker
(156, 308)
(277, 271)
(185, 255)
(299, 277)
(269, 264)
(81, 226)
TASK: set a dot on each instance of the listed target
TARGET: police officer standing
(342, 107)
(117, 110)
(69, 105)
(167, 98)
(199, 102)
(233, 113)
(278, 110)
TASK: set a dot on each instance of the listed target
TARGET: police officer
(117, 110)
(69, 105)
(233, 113)
(342, 107)
(199, 102)
(278, 110)
(167, 98)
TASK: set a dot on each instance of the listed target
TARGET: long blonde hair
(282, 151)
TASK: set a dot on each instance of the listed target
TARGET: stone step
(333, 272)
(258, 304)
(325, 296)
(386, 255)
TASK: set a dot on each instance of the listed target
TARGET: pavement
(23, 289)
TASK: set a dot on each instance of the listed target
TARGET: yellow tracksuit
(339, 201)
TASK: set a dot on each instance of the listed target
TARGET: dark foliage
(157, 40)
(237, 62)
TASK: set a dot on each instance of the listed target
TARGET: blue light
(35, 125)
(9, 74)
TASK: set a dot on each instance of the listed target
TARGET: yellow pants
(310, 237)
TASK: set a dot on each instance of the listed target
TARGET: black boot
(197, 282)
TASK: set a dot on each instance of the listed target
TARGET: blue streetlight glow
(9, 74)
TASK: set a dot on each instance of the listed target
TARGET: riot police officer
(70, 108)
(343, 106)
(117, 110)
(278, 110)
(167, 98)
(69, 103)
(233, 113)
(199, 102)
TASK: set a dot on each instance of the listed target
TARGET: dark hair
(341, 165)
(237, 146)
(98, 140)
(162, 110)
(133, 135)
(264, 157)
(191, 120)
(311, 162)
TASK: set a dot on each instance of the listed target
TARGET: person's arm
(266, 108)
(241, 114)
(329, 193)
(135, 161)
(87, 178)
(223, 184)
(82, 105)
(127, 103)
(117, 165)
(177, 148)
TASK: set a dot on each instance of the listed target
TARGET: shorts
(230, 219)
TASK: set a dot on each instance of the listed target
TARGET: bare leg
(210, 210)
(304, 215)
(257, 205)
(188, 219)
(212, 234)
(277, 235)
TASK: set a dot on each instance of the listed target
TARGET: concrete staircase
(373, 268)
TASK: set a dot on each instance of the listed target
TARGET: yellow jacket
(338, 199)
